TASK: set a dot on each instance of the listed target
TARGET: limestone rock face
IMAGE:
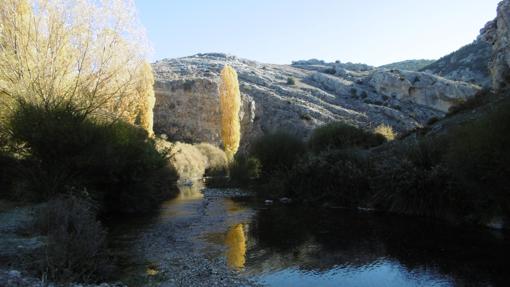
(497, 33)
(420, 88)
(187, 99)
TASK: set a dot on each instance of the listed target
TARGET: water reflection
(187, 194)
(296, 247)
(236, 246)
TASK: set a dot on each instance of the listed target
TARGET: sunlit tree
(230, 105)
(90, 53)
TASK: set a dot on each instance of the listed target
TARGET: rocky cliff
(296, 98)
(497, 34)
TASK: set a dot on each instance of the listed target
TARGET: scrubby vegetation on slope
(460, 175)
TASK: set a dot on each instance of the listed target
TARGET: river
(222, 237)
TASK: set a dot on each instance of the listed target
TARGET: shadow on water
(292, 246)
(289, 246)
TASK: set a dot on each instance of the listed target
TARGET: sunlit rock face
(188, 110)
(420, 88)
(187, 99)
(497, 33)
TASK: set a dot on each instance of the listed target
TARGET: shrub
(479, 155)
(277, 151)
(9, 168)
(217, 163)
(291, 81)
(386, 131)
(244, 169)
(187, 160)
(338, 178)
(76, 241)
(340, 135)
(115, 162)
(476, 101)
(414, 180)
(410, 189)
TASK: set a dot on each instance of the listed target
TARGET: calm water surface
(290, 246)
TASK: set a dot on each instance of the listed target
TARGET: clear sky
(375, 32)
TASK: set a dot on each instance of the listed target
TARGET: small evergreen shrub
(277, 151)
(336, 178)
(291, 81)
(340, 136)
(244, 169)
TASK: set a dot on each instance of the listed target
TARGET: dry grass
(386, 131)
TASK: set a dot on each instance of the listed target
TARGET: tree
(88, 53)
(230, 104)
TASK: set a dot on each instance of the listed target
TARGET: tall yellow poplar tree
(90, 53)
(230, 105)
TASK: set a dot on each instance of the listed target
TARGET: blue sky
(375, 32)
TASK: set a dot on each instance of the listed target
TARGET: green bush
(340, 135)
(277, 151)
(337, 178)
(479, 156)
(416, 182)
(115, 162)
(291, 81)
(244, 169)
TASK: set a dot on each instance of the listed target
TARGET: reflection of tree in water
(322, 239)
(194, 191)
(236, 243)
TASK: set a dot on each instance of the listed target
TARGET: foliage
(409, 65)
(187, 160)
(90, 53)
(414, 180)
(291, 81)
(76, 241)
(244, 169)
(333, 177)
(217, 162)
(230, 105)
(480, 155)
(277, 151)
(115, 162)
(471, 103)
(340, 135)
(386, 131)
(9, 168)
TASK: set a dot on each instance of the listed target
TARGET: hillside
(409, 65)
(296, 98)
(468, 64)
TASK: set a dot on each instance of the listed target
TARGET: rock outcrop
(497, 34)
(295, 98)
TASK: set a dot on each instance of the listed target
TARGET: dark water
(288, 246)
(291, 246)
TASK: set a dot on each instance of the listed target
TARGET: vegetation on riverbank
(460, 175)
